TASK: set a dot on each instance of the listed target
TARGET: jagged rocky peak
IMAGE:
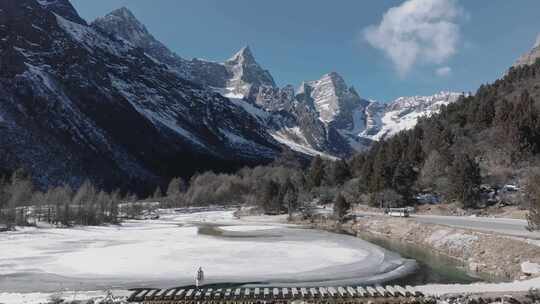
(246, 73)
(531, 56)
(331, 96)
(243, 56)
(62, 8)
(123, 23)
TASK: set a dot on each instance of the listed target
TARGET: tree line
(22, 204)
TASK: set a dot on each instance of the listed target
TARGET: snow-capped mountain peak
(123, 24)
(129, 27)
(332, 97)
(404, 112)
(422, 103)
(243, 56)
(247, 74)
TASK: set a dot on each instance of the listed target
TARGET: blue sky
(451, 44)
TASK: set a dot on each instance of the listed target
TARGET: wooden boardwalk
(342, 294)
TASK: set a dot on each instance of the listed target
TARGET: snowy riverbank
(83, 262)
(166, 252)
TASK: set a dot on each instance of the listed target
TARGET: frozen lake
(168, 251)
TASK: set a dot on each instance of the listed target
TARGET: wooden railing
(340, 294)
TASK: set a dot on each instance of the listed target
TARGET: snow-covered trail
(168, 251)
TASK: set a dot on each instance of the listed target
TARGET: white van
(397, 212)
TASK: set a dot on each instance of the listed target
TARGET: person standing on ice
(199, 278)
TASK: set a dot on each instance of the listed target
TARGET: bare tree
(341, 207)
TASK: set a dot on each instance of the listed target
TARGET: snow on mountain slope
(62, 8)
(152, 113)
(295, 139)
(79, 103)
(124, 24)
(403, 113)
(332, 97)
(91, 39)
(246, 73)
(323, 115)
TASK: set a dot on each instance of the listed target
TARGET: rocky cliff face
(323, 116)
(246, 74)
(123, 24)
(62, 8)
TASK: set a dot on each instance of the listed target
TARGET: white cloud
(417, 31)
(443, 71)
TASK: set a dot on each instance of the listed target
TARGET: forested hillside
(490, 138)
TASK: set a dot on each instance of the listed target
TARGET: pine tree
(465, 181)
(403, 180)
(339, 173)
(288, 159)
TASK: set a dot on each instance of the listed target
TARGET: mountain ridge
(108, 102)
(78, 104)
